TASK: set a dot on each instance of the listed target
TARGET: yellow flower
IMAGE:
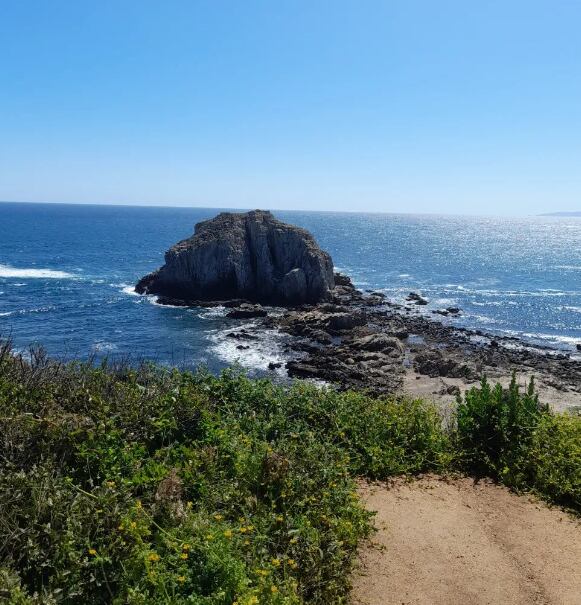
(120, 527)
(273, 589)
(133, 525)
(276, 562)
(189, 504)
(228, 533)
(262, 572)
(294, 540)
(186, 546)
(253, 600)
(92, 552)
(154, 557)
(246, 542)
(110, 484)
(184, 556)
(218, 517)
(292, 563)
(279, 518)
(181, 579)
(138, 504)
(209, 537)
(243, 530)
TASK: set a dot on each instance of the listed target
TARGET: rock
(378, 342)
(242, 347)
(241, 336)
(443, 312)
(579, 347)
(248, 255)
(346, 321)
(273, 365)
(433, 363)
(246, 311)
(453, 310)
(416, 298)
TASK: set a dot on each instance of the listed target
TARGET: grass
(121, 485)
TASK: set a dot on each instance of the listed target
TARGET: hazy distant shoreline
(578, 213)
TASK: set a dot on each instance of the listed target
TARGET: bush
(122, 485)
(508, 435)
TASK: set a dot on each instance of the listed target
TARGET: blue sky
(392, 106)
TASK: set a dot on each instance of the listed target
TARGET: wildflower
(218, 517)
(133, 525)
(276, 562)
(138, 504)
(279, 519)
(154, 557)
(120, 527)
(228, 533)
(209, 537)
(293, 540)
(273, 589)
(292, 563)
(253, 600)
(181, 579)
(262, 572)
(189, 504)
(186, 547)
(246, 542)
(243, 530)
(110, 484)
(92, 552)
(184, 556)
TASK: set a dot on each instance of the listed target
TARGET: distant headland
(575, 213)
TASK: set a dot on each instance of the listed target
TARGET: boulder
(378, 342)
(251, 256)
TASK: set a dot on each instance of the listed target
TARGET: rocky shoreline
(361, 340)
(336, 333)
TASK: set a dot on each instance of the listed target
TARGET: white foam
(130, 290)
(7, 271)
(103, 346)
(212, 313)
(6, 314)
(267, 349)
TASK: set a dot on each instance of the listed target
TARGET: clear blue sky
(394, 106)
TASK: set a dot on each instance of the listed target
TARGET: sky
(386, 106)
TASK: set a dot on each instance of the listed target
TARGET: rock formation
(250, 256)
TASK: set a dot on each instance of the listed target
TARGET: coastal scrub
(147, 485)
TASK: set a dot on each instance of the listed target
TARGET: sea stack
(250, 256)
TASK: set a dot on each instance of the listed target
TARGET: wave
(28, 273)
(127, 289)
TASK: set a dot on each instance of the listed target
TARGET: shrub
(510, 436)
(121, 485)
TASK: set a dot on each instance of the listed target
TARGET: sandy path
(456, 543)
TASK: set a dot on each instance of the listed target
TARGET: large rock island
(250, 256)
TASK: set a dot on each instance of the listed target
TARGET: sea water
(67, 274)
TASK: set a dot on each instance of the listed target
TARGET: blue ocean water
(66, 276)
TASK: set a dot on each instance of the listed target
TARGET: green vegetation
(510, 436)
(122, 485)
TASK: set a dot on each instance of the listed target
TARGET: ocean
(67, 272)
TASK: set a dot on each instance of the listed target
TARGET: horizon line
(563, 214)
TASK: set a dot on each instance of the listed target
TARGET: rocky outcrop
(251, 256)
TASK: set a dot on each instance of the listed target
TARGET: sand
(453, 542)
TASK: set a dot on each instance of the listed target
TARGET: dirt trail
(456, 543)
